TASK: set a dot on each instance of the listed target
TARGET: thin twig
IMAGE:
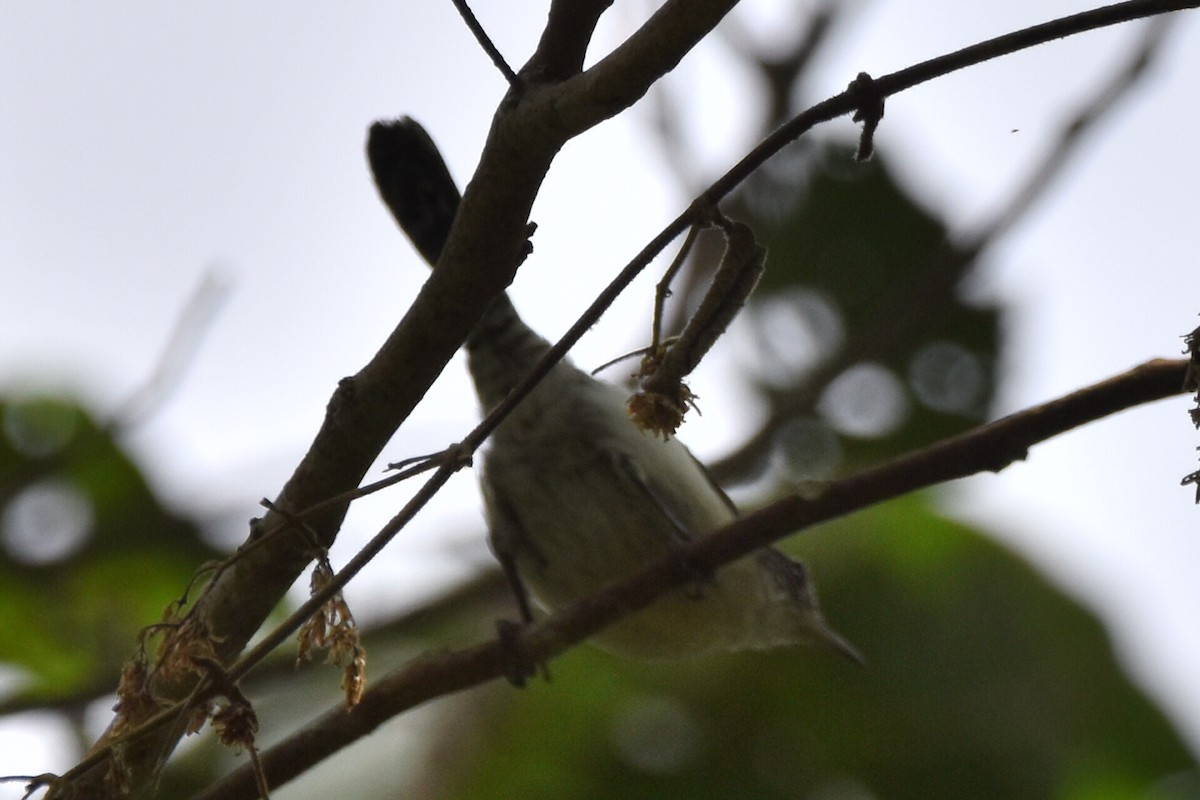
(447, 466)
(837, 106)
(283, 630)
(280, 633)
(641, 352)
(824, 111)
(901, 80)
(662, 398)
(948, 264)
(582, 102)
(178, 354)
(663, 290)
(989, 447)
(486, 43)
(260, 776)
(287, 520)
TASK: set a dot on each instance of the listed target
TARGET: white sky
(144, 143)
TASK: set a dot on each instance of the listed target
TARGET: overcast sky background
(144, 145)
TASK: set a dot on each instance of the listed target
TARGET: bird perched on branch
(578, 496)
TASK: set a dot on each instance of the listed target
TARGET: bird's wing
(507, 536)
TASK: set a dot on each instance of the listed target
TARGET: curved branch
(946, 266)
(623, 76)
(565, 39)
(480, 260)
(848, 102)
(830, 109)
(989, 447)
(485, 246)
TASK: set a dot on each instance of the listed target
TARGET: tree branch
(948, 264)
(848, 102)
(622, 77)
(480, 260)
(989, 447)
(565, 39)
(485, 42)
(833, 107)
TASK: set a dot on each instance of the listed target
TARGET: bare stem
(486, 43)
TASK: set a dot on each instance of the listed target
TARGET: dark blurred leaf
(88, 554)
(984, 682)
(857, 323)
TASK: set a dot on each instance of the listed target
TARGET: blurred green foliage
(88, 554)
(983, 682)
(861, 345)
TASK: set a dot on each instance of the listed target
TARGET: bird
(575, 494)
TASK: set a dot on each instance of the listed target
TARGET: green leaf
(88, 554)
(858, 321)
